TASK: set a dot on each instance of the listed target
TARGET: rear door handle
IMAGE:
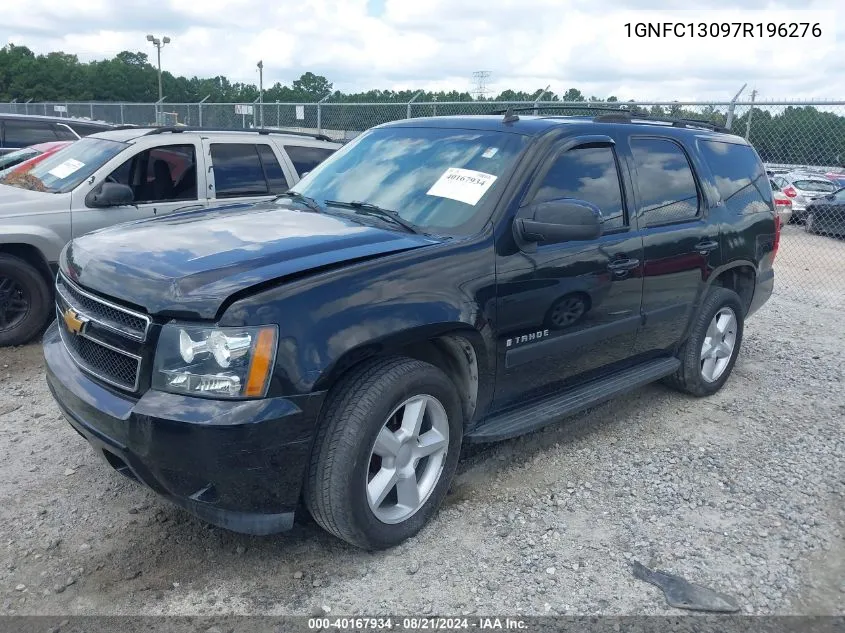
(706, 246)
(622, 265)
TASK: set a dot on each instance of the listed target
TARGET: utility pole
(750, 112)
(159, 43)
(261, 93)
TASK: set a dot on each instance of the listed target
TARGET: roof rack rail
(561, 106)
(631, 117)
(263, 131)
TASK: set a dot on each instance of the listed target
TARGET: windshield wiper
(366, 208)
(308, 202)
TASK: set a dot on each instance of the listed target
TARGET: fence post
(414, 98)
(731, 107)
(320, 113)
(540, 96)
(122, 119)
(200, 109)
(750, 112)
(26, 105)
(91, 105)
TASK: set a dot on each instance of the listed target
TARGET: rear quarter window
(740, 177)
(305, 158)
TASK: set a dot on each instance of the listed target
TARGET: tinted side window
(23, 133)
(305, 159)
(273, 170)
(587, 173)
(237, 170)
(740, 177)
(665, 181)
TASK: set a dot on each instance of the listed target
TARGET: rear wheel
(24, 301)
(385, 453)
(708, 356)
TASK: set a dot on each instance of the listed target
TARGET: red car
(22, 160)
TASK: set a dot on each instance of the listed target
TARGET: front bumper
(236, 464)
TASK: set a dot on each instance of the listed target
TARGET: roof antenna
(510, 117)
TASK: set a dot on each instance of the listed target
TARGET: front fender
(47, 241)
(333, 320)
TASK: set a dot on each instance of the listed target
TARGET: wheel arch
(455, 348)
(739, 276)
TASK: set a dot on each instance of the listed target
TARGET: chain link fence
(789, 135)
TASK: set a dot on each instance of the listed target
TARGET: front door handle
(706, 246)
(620, 265)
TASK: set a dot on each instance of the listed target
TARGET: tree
(312, 87)
(573, 94)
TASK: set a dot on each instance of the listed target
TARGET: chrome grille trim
(138, 335)
(84, 366)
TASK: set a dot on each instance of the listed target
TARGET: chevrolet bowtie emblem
(74, 321)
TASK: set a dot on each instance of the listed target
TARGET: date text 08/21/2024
(417, 623)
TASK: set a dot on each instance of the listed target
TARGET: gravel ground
(743, 492)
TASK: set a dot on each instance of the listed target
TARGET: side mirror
(559, 221)
(109, 194)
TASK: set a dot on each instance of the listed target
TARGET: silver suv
(124, 175)
(803, 188)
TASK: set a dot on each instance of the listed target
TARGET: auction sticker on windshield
(463, 185)
(66, 168)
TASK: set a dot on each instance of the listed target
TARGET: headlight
(216, 362)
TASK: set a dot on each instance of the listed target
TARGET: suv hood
(16, 201)
(188, 264)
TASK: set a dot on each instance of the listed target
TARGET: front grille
(101, 345)
(113, 367)
(128, 322)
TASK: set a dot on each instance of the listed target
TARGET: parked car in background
(783, 203)
(437, 282)
(826, 216)
(129, 174)
(802, 188)
(23, 159)
(21, 130)
(836, 177)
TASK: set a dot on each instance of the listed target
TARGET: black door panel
(681, 245)
(568, 309)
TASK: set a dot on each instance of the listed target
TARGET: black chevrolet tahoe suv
(435, 282)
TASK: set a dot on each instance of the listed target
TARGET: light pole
(261, 93)
(158, 43)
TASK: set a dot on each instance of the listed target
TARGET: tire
(808, 224)
(345, 459)
(692, 376)
(21, 284)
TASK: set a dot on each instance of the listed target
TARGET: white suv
(129, 174)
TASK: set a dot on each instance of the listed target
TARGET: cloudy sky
(437, 44)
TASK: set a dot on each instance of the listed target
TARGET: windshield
(16, 158)
(816, 185)
(68, 167)
(439, 180)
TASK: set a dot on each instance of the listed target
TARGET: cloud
(437, 44)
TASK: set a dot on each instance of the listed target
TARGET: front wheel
(385, 453)
(708, 356)
(24, 301)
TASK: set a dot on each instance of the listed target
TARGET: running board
(543, 412)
